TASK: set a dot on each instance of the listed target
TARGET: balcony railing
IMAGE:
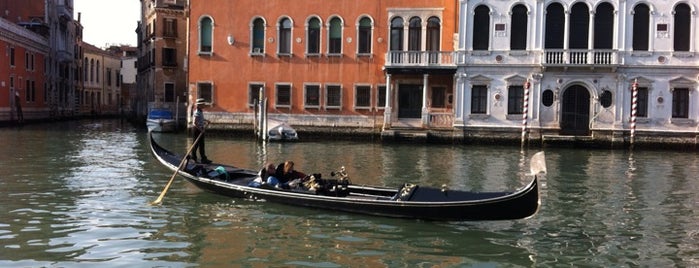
(580, 57)
(420, 59)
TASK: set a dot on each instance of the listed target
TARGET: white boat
(160, 120)
(280, 131)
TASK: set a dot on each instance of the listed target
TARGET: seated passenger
(285, 173)
(266, 176)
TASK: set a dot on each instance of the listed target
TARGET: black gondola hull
(425, 203)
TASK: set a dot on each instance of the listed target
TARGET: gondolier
(199, 124)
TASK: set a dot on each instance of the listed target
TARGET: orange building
(325, 63)
(22, 76)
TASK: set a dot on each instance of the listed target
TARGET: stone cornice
(13, 33)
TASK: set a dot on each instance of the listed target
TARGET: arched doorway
(575, 115)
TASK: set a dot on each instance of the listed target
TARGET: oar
(184, 160)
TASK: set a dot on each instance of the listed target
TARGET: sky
(108, 22)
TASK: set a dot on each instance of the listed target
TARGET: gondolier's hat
(200, 101)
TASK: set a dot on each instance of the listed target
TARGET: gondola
(339, 194)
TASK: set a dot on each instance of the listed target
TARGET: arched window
(415, 34)
(641, 24)
(364, 36)
(258, 36)
(92, 70)
(555, 23)
(86, 67)
(284, 36)
(682, 27)
(481, 28)
(397, 34)
(97, 72)
(604, 26)
(433, 34)
(206, 32)
(313, 32)
(579, 26)
(335, 36)
(518, 28)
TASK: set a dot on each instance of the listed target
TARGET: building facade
(101, 94)
(162, 50)
(356, 64)
(604, 70)
(22, 74)
(52, 19)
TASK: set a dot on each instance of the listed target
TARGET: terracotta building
(22, 74)
(162, 49)
(367, 63)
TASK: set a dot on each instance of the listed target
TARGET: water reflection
(77, 194)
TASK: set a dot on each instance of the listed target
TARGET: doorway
(409, 101)
(575, 115)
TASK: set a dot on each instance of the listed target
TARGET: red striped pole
(525, 110)
(634, 108)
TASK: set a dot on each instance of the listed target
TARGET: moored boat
(160, 120)
(280, 131)
(339, 194)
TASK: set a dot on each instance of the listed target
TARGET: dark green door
(409, 101)
(575, 118)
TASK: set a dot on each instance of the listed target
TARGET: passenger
(266, 176)
(285, 174)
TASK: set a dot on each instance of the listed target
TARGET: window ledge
(202, 53)
(683, 54)
(334, 55)
(257, 54)
(365, 55)
(479, 116)
(312, 55)
(682, 121)
(333, 108)
(284, 55)
(514, 117)
(362, 108)
(315, 107)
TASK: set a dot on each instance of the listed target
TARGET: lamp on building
(230, 39)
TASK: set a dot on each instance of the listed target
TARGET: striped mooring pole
(634, 108)
(525, 110)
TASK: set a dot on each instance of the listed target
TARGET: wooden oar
(184, 160)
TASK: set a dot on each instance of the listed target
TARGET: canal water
(77, 194)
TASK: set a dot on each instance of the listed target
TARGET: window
(680, 103)
(555, 22)
(313, 46)
(333, 96)
(92, 70)
(641, 23)
(169, 92)
(641, 102)
(515, 99)
(12, 56)
(335, 36)
(438, 97)
(311, 96)
(283, 96)
(258, 36)
(97, 72)
(26, 61)
(415, 34)
(85, 69)
(206, 32)
(397, 34)
(205, 90)
(118, 78)
(604, 26)
(109, 76)
(362, 97)
(579, 23)
(170, 29)
(605, 99)
(518, 28)
(381, 96)
(284, 36)
(481, 28)
(433, 34)
(479, 99)
(169, 57)
(254, 93)
(682, 26)
(364, 36)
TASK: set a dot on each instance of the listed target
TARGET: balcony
(430, 59)
(580, 58)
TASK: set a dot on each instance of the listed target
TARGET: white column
(590, 37)
(425, 112)
(387, 107)
(566, 31)
(456, 100)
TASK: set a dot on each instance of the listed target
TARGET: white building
(581, 59)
